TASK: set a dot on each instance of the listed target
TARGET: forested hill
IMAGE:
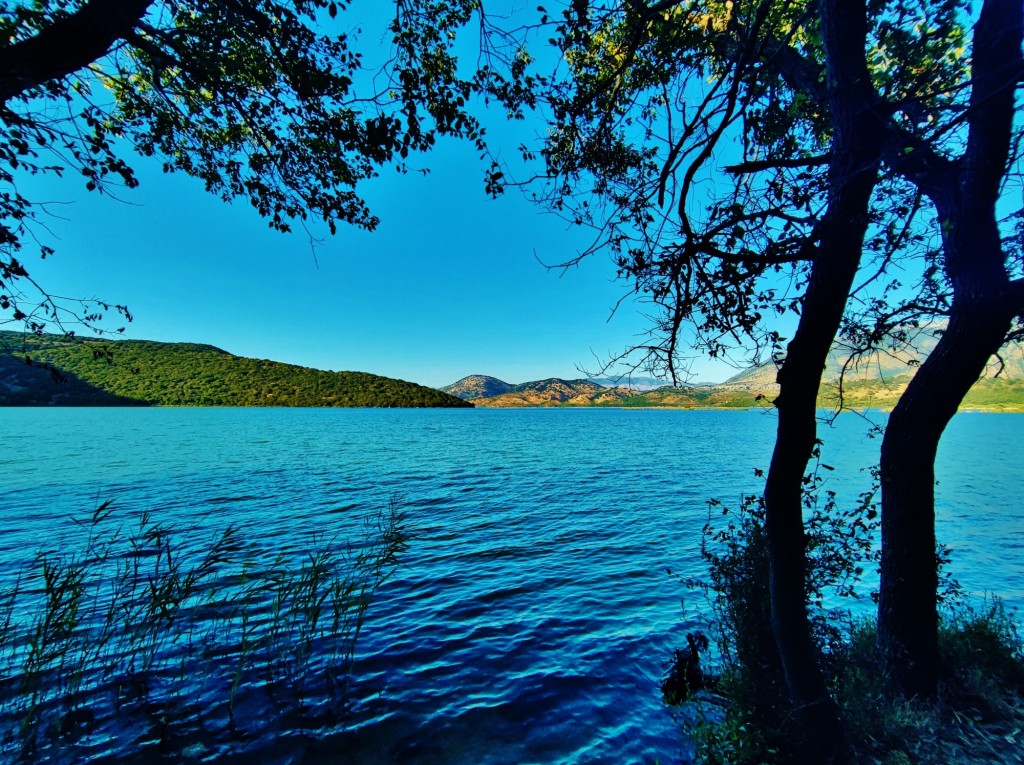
(124, 372)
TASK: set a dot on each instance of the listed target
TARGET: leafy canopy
(694, 138)
(263, 101)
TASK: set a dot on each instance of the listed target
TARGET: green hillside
(24, 384)
(119, 372)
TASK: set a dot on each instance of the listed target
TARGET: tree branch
(67, 45)
(646, 10)
(755, 166)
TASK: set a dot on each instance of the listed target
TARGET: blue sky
(450, 284)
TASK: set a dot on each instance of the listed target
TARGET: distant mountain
(759, 378)
(119, 372)
(879, 366)
(584, 393)
(875, 382)
(890, 367)
(477, 386)
(551, 392)
(633, 383)
(490, 391)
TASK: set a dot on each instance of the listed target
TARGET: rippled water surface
(532, 615)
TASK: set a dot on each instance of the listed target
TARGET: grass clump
(978, 714)
(145, 638)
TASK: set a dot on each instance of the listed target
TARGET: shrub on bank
(978, 715)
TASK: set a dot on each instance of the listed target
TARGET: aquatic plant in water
(143, 638)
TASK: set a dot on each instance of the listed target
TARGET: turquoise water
(532, 615)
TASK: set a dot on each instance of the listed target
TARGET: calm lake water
(532, 615)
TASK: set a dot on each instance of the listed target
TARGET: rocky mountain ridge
(873, 382)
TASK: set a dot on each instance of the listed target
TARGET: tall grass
(978, 714)
(140, 636)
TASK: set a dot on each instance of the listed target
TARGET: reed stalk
(146, 630)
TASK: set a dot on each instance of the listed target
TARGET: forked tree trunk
(855, 158)
(965, 195)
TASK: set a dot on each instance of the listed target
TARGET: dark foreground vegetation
(735, 705)
(145, 642)
(65, 371)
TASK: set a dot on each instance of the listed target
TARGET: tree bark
(853, 171)
(67, 45)
(983, 307)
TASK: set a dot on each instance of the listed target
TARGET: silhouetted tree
(745, 159)
(660, 96)
(964, 188)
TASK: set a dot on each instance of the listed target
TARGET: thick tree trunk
(819, 732)
(907, 609)
(981, 316)
(965, 197)
(855, 158)
(67, 45)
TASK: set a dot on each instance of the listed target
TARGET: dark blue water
(532, 615)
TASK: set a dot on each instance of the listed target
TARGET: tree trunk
(907, 609)
(855, 158)
(965, 196)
